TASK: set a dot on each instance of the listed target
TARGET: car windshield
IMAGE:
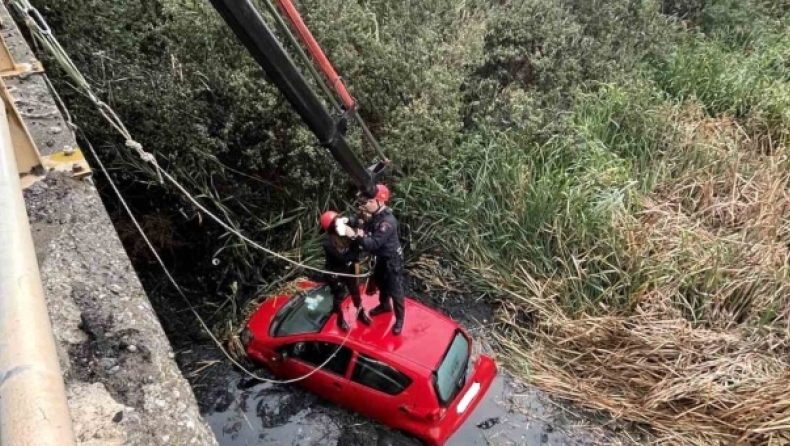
(450, 375)
(308, 314)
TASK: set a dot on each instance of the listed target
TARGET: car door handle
(337, 385)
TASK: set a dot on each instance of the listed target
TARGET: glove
(340, 226)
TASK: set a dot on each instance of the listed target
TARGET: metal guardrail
(33, 406)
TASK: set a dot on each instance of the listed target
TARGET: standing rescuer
(342, 256)
(380, 239)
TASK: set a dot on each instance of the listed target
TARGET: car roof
(424, 340)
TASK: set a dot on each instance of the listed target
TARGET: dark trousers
(341, 287)
(388, 275)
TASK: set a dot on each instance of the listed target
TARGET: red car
(424, 382)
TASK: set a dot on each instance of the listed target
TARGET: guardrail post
(33, 406)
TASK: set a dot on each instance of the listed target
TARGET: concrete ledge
(120, 374)
(123, 385)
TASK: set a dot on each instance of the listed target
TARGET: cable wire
(43, 33)
(110, 115)
(186, 300)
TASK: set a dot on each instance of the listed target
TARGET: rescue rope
(186, 299)
(172, 280)
(43, 34)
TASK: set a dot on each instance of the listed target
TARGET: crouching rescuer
(380, 239)
(342, 256)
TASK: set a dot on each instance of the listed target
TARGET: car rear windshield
(308, 314)
(451, 374)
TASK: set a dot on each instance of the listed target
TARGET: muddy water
(245, 412)
(265, 414)
(284, 415)
(501, 419)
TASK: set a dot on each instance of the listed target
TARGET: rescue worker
(380, 238)
(342, 256)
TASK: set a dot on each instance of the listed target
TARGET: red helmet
(327, 218)
(382, 193)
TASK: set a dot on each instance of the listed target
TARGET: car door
(378, 389)
(303, 357)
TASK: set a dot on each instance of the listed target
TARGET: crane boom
(248, 25)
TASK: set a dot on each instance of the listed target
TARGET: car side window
(379, 376)
(316, 353)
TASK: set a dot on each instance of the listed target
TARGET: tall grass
(640, 252)
(740, 68)
(504, 205)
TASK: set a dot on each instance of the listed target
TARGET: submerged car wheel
(397, 438)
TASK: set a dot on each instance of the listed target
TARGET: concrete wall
(123, 385)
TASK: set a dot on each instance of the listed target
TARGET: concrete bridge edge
(123, 384)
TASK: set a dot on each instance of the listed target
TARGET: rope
(186, 300)
(42, 32)
(138, 147)
(242, 236)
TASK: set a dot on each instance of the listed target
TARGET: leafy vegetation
(614, 173)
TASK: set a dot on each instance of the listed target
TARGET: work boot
(363, 317)
(341, 322)
(397, 328)
(380, 309)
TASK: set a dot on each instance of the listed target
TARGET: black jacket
(382, 239)
(340, 261)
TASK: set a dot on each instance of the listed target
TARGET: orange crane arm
(318, 54)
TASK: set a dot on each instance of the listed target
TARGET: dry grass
(435, 274)
(692, 385)
(703, 353)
